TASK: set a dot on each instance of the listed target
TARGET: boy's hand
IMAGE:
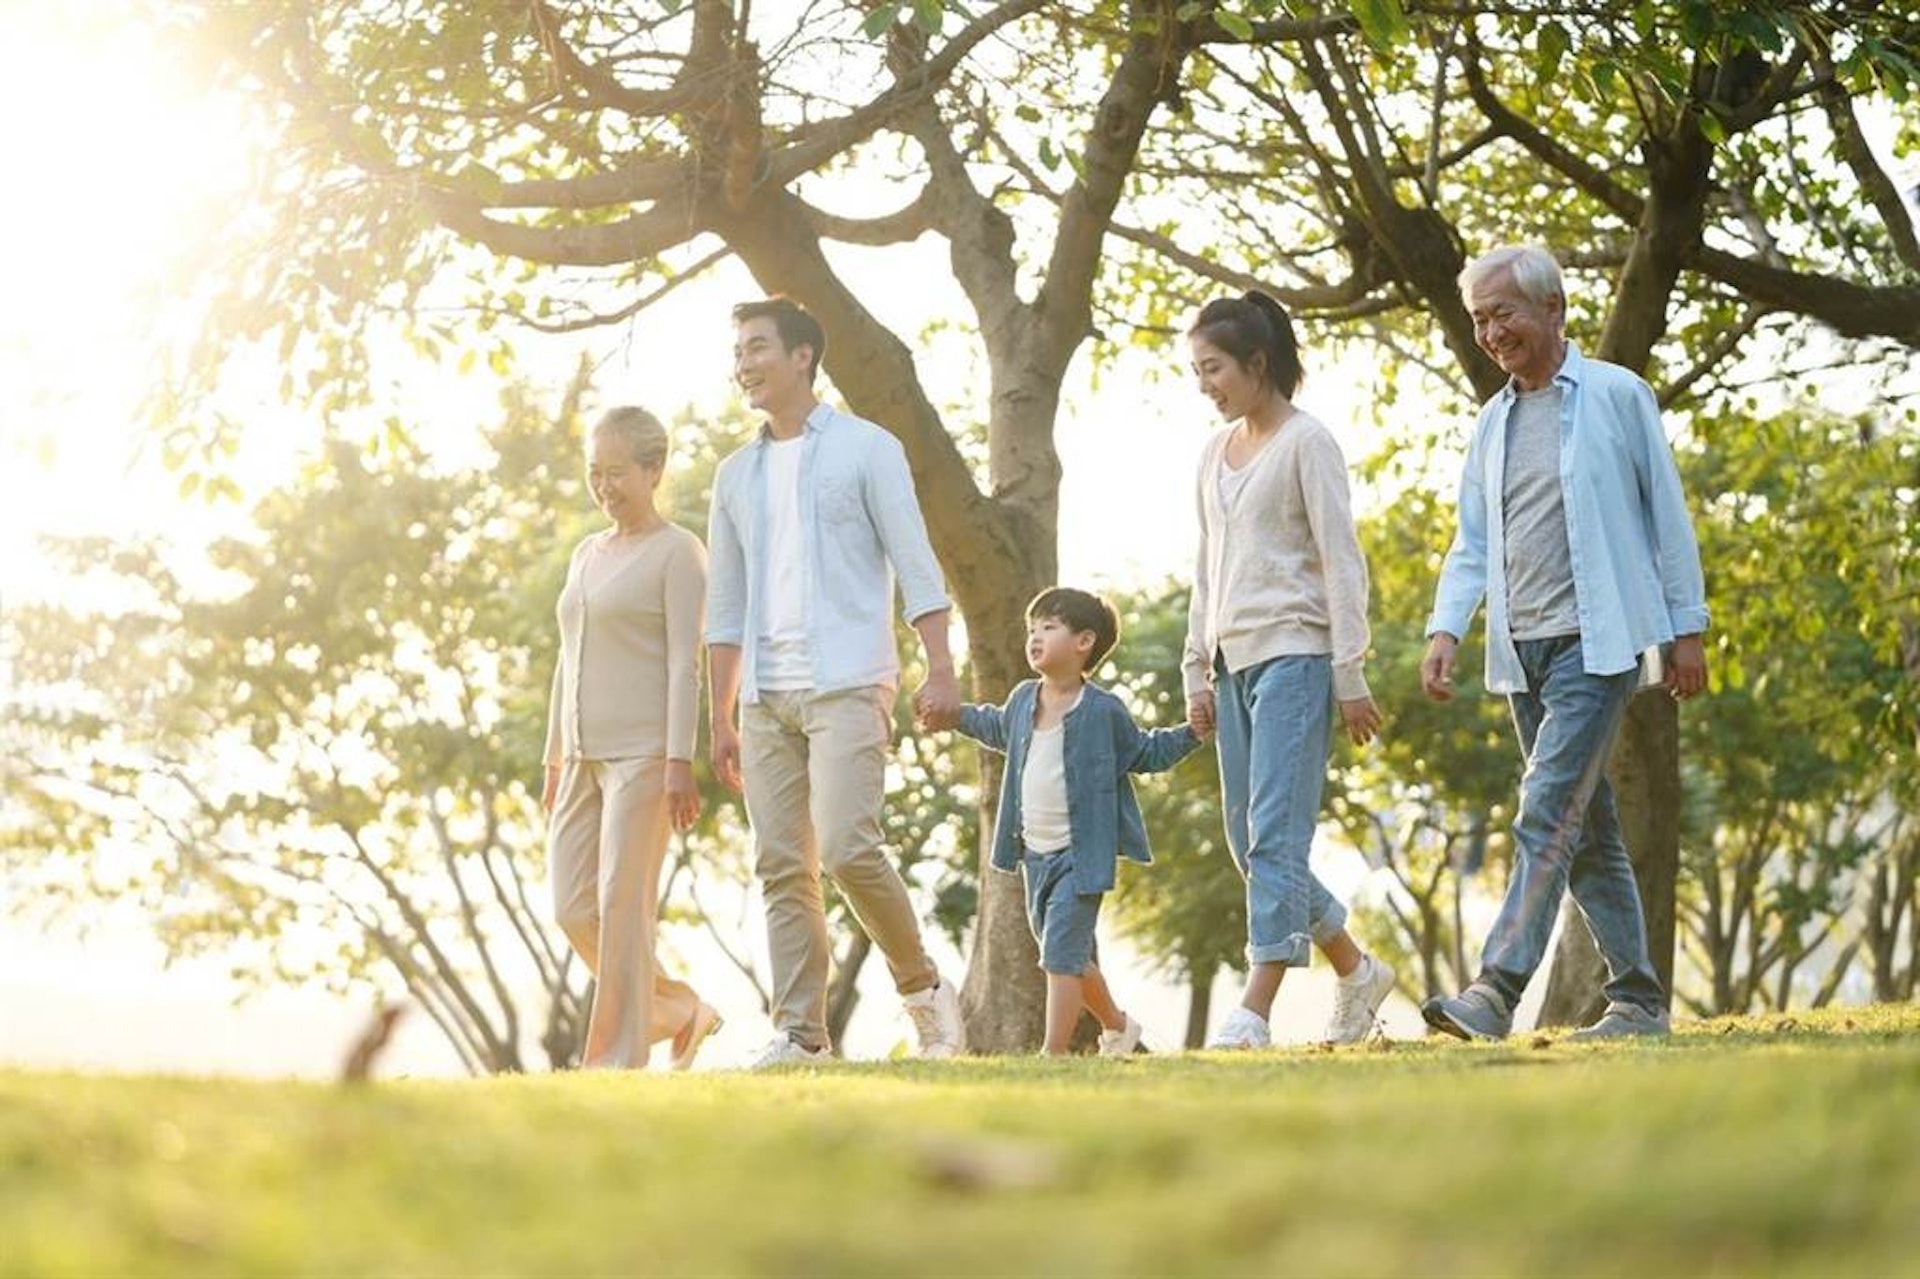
(1362, 719)
(1200, 713)
(933, 719)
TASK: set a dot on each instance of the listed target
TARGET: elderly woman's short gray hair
(640, 430)
(1534, 271)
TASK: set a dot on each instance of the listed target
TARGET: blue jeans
(1275, 724)
(1063, 921)
(1567, 835)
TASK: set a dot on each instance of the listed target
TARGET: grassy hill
(1783, 1145)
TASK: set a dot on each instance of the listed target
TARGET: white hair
(640, 430)
(1532, 268)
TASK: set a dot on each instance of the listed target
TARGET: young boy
(1067, 809)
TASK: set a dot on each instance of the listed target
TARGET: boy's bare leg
(1065, 1002)
(1099, 999)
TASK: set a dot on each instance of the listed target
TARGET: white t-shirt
(1232, 481)
(785, 653)
(1044, 824)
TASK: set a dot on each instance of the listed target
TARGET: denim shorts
(1063, 921)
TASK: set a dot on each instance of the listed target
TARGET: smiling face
(1234, 388)
(771, 376)
(1055, 648)
(1522, 336)
(622, 488)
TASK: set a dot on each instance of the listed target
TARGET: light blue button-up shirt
(1636, 565)
(863, 525)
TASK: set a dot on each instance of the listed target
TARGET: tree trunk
(843, 996)
(1199, 1005)
(1646, 779)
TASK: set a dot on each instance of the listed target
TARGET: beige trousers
(605, 845)
(815, 767)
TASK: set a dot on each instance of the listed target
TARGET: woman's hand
(1200, 713)
(551, 790)
(1362, 719)
(683, 797)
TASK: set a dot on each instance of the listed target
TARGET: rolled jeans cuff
(1295, 952)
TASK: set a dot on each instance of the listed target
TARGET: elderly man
(1574, 529)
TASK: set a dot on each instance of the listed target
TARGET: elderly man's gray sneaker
(1477, 1012)
(1623, 1021)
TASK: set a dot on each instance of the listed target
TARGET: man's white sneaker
(784, 1052)
(935, 1013)
(1121, 1042)
(1243, 1028)
(1357, 1002)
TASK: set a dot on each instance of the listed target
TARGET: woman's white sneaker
(1242, 1029)
(1356, 1001)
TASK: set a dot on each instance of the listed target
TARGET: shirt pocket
(839, 497)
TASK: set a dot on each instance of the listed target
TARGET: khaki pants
(815, 768)
(605, 845)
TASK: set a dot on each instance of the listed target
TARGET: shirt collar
(1572, 369)
(817, 421)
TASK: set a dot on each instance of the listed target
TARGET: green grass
(1776, 1145)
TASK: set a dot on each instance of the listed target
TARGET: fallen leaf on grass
(971, 1164)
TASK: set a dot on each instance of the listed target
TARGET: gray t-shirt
(1540, 598)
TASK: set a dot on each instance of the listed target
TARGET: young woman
(1276, 641)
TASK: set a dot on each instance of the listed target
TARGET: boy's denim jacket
(1103, 745)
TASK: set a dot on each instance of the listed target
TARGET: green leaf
(877, 22)
(1234, 24)
(1383, 21)
(1549, 47)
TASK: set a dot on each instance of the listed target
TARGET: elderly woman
(620, 738)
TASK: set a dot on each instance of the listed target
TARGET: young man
(809, 526)
(1574, 529)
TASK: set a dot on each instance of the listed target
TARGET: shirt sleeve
(1196, 664)
(1676, 550)
(1149, 750)
(903, 530)
(686, 594)
(986, 724)
(1463, 576)
(555, 753)
(1329, 506)
(726, 569)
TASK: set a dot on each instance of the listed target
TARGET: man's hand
(1362, 719)
(1201, 713)
(1687, 668)
(936, 704)
(683, 797)
(551, 790)
(726, 754)
(1436, 668)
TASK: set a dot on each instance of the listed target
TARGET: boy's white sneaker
(784, 1052)
(1242, 1029)
(935, 1013)
(1356, 1001)
(1121, 1042)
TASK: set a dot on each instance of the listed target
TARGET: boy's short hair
(1081, 611)
(794, 322)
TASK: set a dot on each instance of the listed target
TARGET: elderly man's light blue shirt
(1636, 565)
(863, 525)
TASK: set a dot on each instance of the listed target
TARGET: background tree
(1187, 914)
(1700, 159)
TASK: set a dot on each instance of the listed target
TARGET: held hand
(1436, 668)
(937, 703)
(683, 797)
(550, 791)
(1687, 669)
(1200, 713)
(726, 755)
(1362, 718)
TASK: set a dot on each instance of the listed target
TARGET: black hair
(1254, 327)
(794, 322)
(1080, 611)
